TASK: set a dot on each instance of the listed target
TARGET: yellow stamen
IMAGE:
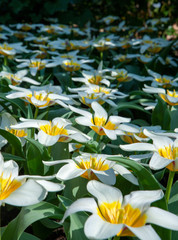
(17, 132)
(7, 186)
(53, 130)
(92, 163)
(116, 214)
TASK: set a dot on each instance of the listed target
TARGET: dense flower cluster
(73, 102)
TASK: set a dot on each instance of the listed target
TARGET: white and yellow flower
(170, 97)
(23, 190)
(18, 77)
(6, 121)
(113, 214)
(95, 77)
(92, 166)
(34, 65)
(91, 93)
(164, 149)
(100, 122)
(163, 80)
(51, 132)
(41, 97)
(72, 65)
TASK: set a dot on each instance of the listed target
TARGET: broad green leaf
(161, 115)
(147, 182)
(173, 205)
(18, 103)
(8, 156)
(14, 141)
(128, 105)
(74, 230)
(36, 153)
(29, 215)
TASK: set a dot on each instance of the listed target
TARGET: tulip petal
(162, 218)
(69, 171)
(125, 173)
(29, 193)
(51, 186)
(104, 193)
(145, 232)
(138, 147)
(96, 228)
(107, 177)
(82, 204)
(158, 162)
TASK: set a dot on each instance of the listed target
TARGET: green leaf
(29, 215)
(74, 230)
(125, 105)
(161, 115)
(18, 103)
(8, 156)
(147, 182)
(36, 153)
(14, 141)
(173, 205)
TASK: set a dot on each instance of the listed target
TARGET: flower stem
(5, 61)
(36, 113)
(169, 185)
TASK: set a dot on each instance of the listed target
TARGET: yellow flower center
(40, 97)
(8, 185)
(171, 94)
(169, 153)
(95, 79)
(130, 138)
(5, 47)
(14, 79)
(101, 90)
(101, 122)
(116, 214)
(53, 130)
(154, 48)
(92, 163)
(122, 76)
(71, 66)
(37, 64)
(17, 132)
(26, 27)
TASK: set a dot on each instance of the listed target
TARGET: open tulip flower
(171, 97)
(6, 121)
(34, 65)
(163, 80)
(92, 166)
(100, 123)
(165, 150)
(72, 65)
(23, 190)
(114, 214)
(51, 132)
(18, 77)
(95, 77)
(41, 97)
(91, 92)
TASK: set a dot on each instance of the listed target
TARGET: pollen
(116, 214)
(92, 163)
(95, 79)
(53, 130)
(71, 66)
(37, 64)
(17, 132)
(7, 186)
